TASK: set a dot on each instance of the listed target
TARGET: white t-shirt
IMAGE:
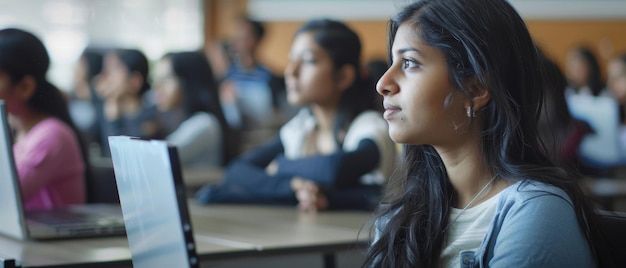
(367, 125)
(468, 231)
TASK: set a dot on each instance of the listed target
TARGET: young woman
(122, 85)
(335, 153)
(184, 85)
(464, 93)
(49, 157)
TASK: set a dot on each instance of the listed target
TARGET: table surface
(220, 232)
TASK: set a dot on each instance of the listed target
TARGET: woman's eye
(409, 64)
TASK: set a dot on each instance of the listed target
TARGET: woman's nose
(386, 84)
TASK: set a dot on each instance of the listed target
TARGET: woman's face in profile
(419, 102)
(309, 75)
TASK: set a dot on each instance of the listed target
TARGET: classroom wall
(275, 47)
(601, 25)
(606, 37)
(556, 37)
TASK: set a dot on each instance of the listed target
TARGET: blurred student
(463, 93)
(250, 92)
(85, 105)
(50, 159)
(184, 84)
(122, 85)
(335, 153)
(583, 73)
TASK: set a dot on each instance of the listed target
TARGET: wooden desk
(226, 236)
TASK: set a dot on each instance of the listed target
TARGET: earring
(470, 112)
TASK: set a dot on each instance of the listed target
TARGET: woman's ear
(25, 88)
(345, 77)
(479, 94)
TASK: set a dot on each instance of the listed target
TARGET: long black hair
(200, 94)
(484, 40)
(22, 54)
(343, 46)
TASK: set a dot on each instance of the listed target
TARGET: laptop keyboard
(64, 217)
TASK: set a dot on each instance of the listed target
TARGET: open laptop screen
(152, 196)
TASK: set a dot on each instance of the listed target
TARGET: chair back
(613, 225)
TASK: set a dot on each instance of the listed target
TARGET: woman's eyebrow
(408, 49)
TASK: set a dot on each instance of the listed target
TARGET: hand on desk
(310, 197)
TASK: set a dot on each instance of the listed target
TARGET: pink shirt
(50, 166)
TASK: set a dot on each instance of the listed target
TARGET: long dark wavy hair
(484, 40)
(200, 94)
(22, 54)
(344, 48)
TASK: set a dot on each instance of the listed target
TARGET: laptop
(69, 222)
(154, 204)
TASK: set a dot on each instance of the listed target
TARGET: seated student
(122, 85)
(335, 152)
(251, 94)
(184, 84)
(463, 93)
(49, 157)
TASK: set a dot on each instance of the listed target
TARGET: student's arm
(249, 173)
(340, 169)
(540, 232)
(196, 135)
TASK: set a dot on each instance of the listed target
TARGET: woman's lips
(390, 110)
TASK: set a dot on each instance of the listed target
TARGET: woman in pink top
(49, 157)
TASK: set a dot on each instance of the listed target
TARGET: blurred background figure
(582, 72)
(85, 105)
(253, 98)
(184, 85)
(600, 152)
(50, 159)
(127, 108)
